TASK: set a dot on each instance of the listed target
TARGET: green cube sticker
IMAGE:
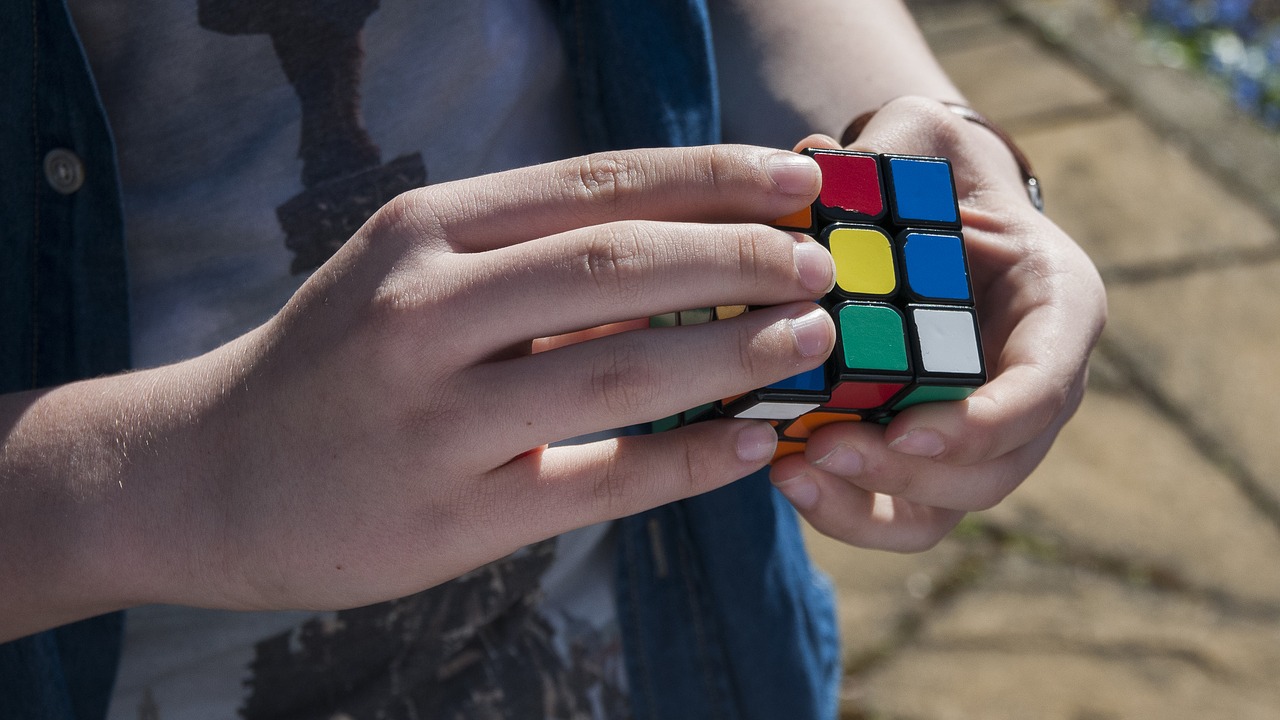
(933, 393)
(873, 338)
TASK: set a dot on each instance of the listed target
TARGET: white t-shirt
(208, 127)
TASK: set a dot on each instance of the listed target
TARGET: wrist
(998, 144)
(104, 503)
(60, 476)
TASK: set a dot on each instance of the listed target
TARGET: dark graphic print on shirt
(320, 47)
(471, 649)
(475, 647)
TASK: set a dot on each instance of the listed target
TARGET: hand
(387, 430)
(1041, 308)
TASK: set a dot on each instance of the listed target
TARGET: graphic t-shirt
(254, 136)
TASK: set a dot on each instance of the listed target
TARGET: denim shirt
(722, 615)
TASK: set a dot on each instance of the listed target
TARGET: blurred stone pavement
(1137, 573)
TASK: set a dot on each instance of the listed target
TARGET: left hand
(1041, 307)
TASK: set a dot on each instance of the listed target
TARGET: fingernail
(801, 490)
(920, 443)
(816, 268)
(794, 174)
(812, 335)
(756, 443)
(842, 460)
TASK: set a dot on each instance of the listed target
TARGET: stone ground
(1137, 573)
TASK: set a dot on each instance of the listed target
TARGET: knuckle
(748, 363)
(617, 259)
(610, 491)
(605, 179)
(944, 128)
(404, 291)
(750, 249)
(982, 434)
(621, 379)
(625, 485)
(691, 468)
(406, 306)
(1064, 396)
(394, 300)
(390, 313)
(417, 215)
(434, 407)
(400, 211)
(989, 429)
(720, 165)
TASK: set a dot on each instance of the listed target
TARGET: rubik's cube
(906, 327)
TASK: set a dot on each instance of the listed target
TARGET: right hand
(387, 430)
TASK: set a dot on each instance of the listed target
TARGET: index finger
(715, 183)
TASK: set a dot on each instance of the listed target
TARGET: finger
(566, 339)
(921, 126)
(841, 510)
(646, 375)
(1004, 415)
(1001, 417)
(621, 271)
(558, 489)
(1029, 395)
(719, 183)
(1040, 316)
(857, 453)
(1038, 296)
(818, 141)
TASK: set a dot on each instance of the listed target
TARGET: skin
(317, 461)
(360, 446)
(1041, 307)
(1041, 302)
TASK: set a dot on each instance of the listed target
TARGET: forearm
(789, 69)
(97, 499)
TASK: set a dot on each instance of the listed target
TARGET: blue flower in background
(1178, 14)
(1247, 92)
(1271, 115)
(1234, 14)
(1271, 46)
(1234, 40)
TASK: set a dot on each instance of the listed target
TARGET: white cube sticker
(776, 411)
(948, 341)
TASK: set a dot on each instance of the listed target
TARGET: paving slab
(877, 592)
(1111, 181)
(955, 23)
(1210, 342)
(1032, 83)
(1135, 574)
(1053, 643)
(1131, 198)
(1099, 37)
(1124, 486)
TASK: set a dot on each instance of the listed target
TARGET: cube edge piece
(785, 408)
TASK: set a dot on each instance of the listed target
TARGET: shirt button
(64, 170)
